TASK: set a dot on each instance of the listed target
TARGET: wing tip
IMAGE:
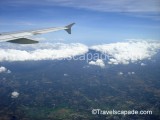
(69, 28)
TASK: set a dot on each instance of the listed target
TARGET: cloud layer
(126, 52)
(44, 51)
(113, 5)
(98, 5)
(118, 53)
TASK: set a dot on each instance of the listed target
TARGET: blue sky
(97, 21)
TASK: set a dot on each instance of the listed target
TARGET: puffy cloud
(131, 73)
(113, 61)
(142, 64)
(43, 51)
(120, 73)
(98, 62)
(14, 94)
(65, 75)
(131, 51)
(4, 70)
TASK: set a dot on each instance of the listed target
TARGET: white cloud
(2, 69)
(98, 62)
(137, 8)
(120, 73)
(119, 53)
(113, 61)
(42, 51)
(109, 5)
(65, 75)
(131, 73)
(142, 64)
(14, 94)
(98, 5)
(140, 8)
(131, 51)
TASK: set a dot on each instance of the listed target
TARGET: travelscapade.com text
(121, 112)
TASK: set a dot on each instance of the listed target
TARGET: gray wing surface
(23, 41)
(21, 37)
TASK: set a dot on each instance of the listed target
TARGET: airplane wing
(20, 37)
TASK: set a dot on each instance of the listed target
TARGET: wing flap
(23, 41)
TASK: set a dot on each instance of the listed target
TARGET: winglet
(68, 28)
